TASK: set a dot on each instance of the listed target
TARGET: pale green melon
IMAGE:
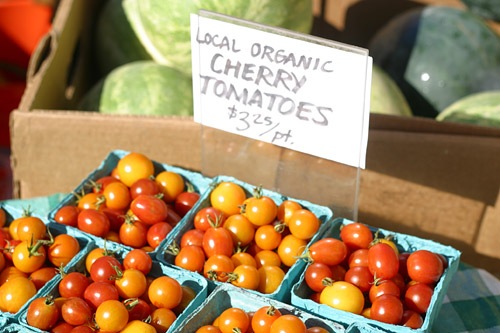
(386, 97)
(479, 109)
(141, 88)
(162, 27)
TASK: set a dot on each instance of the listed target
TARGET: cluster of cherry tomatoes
(132, 205)
(266, 319)
(111, 295)
(249, 241)
(30, 257)
(361, 273)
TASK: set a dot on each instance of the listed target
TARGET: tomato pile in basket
(367, 275)
(133, 205)
(266, 319)
(31, 256)
(111, 294)
(248, 241)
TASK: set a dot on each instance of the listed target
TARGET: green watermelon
(489, 9)
(141, 88)
(437, 55)
(130, 30)
(115, 42)
(386, 97)
(479, 109)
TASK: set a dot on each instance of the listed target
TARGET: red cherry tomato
(418, 297)
(359, 276)
(412, 319)
(98, 292)
(383, 262)
(76, 311)
(356, 235)
(138, 259)
(93, 221)
(149, 209)
(42, 313)
(185, 201)
(192, 237)
(330, 251)
(104, 269)
(144, 186)
(387, 308)
(73, 284)
(158, 232)
(208, 217)
(424, 266)
(67, 215)
(218, 240)
(317, 275)
(382, 287)
(133, 233)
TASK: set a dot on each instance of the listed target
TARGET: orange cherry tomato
(260, 210)
(64, 248)
(285, 210)
(303, 224)
(133, 167)
(171, 183)
(288, 323)
(234, 320)
(227, 197)
(165, 292)
(270, 278)
(31, 228)
(290, 249)
(117, 195)
(245, 276)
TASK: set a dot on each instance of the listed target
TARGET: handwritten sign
(291, 90)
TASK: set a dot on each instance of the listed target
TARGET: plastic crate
(198, 181)
(224, 297)
(291, 276)
(408, 243)
(196, 283)
(40, 207)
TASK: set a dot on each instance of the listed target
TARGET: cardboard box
(433, 180)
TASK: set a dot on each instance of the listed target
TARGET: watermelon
(479, 109)
(129, 30)
(437, 55)
(386, 97)
(489, 9)
(141, 88)
(115, 41)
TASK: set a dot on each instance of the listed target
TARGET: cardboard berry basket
(15, 328)
(196, 180)
(282, 293)
(197, 284)
(39, 207)
(405, 243)
(224, 297)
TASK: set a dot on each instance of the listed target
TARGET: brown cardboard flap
(429, 125)
(489, 233)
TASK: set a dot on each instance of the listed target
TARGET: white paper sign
(306, 96)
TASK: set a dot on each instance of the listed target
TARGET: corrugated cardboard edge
(405, 207)
(489, 233)
(50, 63)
